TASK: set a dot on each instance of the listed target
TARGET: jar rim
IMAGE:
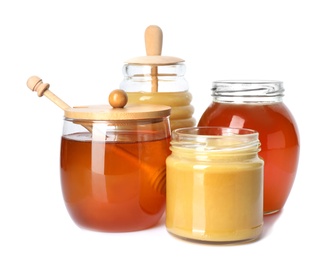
(247, 90)
(217, 131)
(249, 81)
(145, 70)
(215, 138)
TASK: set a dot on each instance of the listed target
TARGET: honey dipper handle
(35, 84)
(153, 40)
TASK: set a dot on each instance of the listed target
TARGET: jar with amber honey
(157, 79)
(259, 105)
(113, 166)
(214, 185)
(112, 161)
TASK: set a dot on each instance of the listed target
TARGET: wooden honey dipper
(154, 42)
(117, 99)
(153, 39)
(35, 84)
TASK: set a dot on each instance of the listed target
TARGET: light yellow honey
(180, 102)
(214, 196)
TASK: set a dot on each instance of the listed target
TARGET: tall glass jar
(157, 79)
(214, 184)
(258, 105)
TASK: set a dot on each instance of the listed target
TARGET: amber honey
(279, 143)
(114, 186)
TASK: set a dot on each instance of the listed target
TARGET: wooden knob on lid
(118, 98)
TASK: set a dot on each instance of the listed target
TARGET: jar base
(266, 213)
(240, 237)
(113, 229)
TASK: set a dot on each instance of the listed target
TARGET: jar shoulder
(246, 114)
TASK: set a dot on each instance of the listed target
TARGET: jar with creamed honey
(214, 185)
(259, 105)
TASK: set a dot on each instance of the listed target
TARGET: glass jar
(145, 78)
(171, 90)
(113, 166)
(214, 184)
(258, 105)
(157, 79)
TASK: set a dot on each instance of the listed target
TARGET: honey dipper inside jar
(157, 79)
(112, 161)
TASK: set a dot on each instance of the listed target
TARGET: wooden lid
(155, 60)
(106, 112)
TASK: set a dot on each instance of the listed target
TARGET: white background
(79, 47)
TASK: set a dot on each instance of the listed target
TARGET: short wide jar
(113, 166)
(214, 182)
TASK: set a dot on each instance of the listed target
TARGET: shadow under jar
(113, 166)
(258, 105)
